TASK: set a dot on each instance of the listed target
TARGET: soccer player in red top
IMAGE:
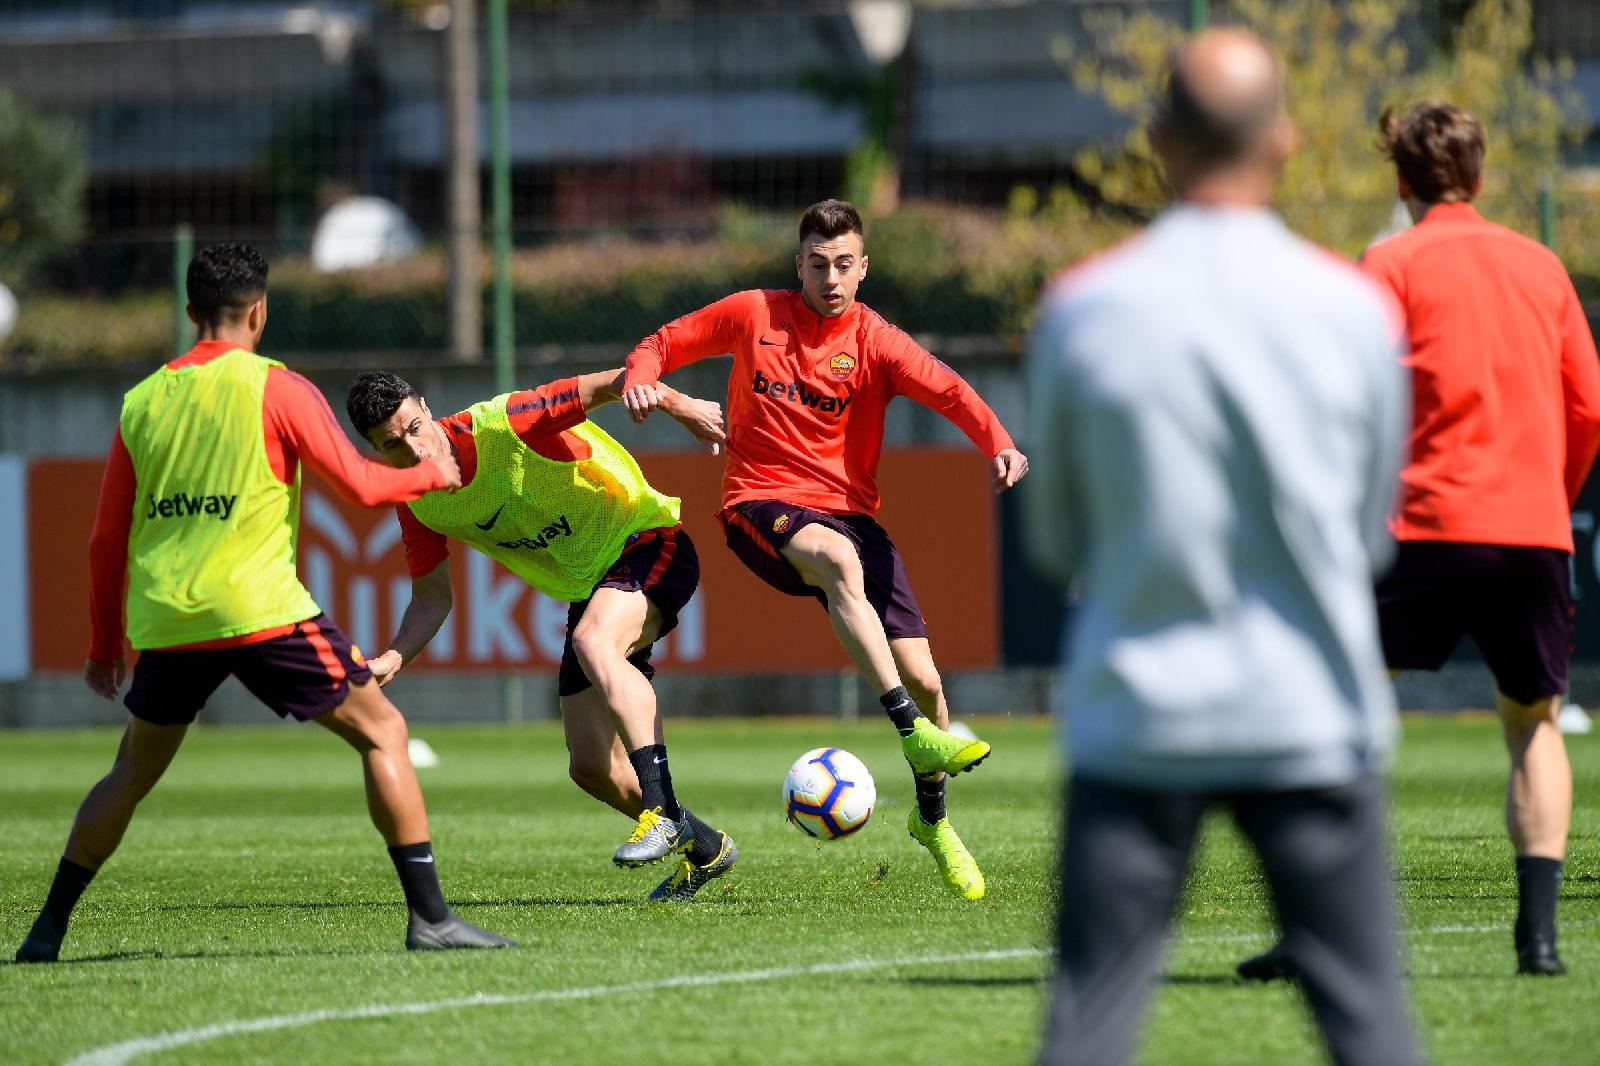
(1505, 425)
(813, 372)
(259, 422)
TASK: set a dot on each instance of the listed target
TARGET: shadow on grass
(337, 905)
(952, 981)
(156, 954)
(1202, 979)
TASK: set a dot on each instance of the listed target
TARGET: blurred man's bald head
(1223, 105)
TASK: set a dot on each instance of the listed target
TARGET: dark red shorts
(1515, 604)
(757, 531)
(662, 564)
(305, 673)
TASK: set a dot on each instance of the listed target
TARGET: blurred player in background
(1506, 422)
(1219, 419)
(562, 505)
(197, 520)
(813, 372)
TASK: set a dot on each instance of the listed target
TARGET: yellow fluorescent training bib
(557, 525)
(211, 552)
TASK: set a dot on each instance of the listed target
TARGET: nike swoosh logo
(775, 344)
(661, 758)
(486, 526)
(428, 858)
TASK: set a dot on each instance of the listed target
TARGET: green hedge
(934, 272)
(937, 273)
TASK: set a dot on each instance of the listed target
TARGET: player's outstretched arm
(919, 376)
(298, 412)
(713, 330)
(432, 597)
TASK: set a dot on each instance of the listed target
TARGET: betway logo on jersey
(560, 528)
(798, 392)
(183, 505)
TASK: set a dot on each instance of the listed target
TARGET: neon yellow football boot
(930, 750)
(956, 864)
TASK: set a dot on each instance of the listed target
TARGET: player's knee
(595, 648)
(925, 685)
(377, 724)
(590, 774)
(838, 571)
(134, 779)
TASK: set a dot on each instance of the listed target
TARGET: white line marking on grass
(126, 1051)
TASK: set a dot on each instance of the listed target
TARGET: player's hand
(640, 400)
(384, 667)
(1009, 467)
(449, 469)
(104, 679)
(702, 418)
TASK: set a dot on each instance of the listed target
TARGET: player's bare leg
(368, 722)
(1538, 811)
(596, 760)
(928, 824)
(827, 560)
(143, 755)
(617, 624)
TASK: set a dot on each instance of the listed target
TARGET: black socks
(655, 780)
(930, 798)
(69, 883)
(1538, 885)
(419, 880)
(707, 841)
(901, 709)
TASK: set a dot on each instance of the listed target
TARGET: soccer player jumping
(562, 505)
(197, 519)
(813, 372)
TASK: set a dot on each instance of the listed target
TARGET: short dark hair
(1437, 147)
(374, 397)
(830, 219)
(225, 278)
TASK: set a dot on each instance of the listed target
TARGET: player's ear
(257, 316)
(188, 309)
(423, 404)
(864, 262)
(798, 271)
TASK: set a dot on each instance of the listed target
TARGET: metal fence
(659, 152)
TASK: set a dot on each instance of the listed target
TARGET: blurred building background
(659, 154)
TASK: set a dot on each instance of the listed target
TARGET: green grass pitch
(251, 886)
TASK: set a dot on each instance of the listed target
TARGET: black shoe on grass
(43, 943)
(1539, 958)
(1273, 964)
(454, 932)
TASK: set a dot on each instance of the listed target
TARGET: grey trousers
(1324, 855)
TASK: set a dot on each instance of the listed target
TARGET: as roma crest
(842, 365)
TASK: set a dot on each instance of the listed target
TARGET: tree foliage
(1346, 60)
(41, 186)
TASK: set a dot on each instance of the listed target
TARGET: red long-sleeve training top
(807, 395)
(296, 424)
(1505, 382)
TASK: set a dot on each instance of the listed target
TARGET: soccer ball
(828, 793)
